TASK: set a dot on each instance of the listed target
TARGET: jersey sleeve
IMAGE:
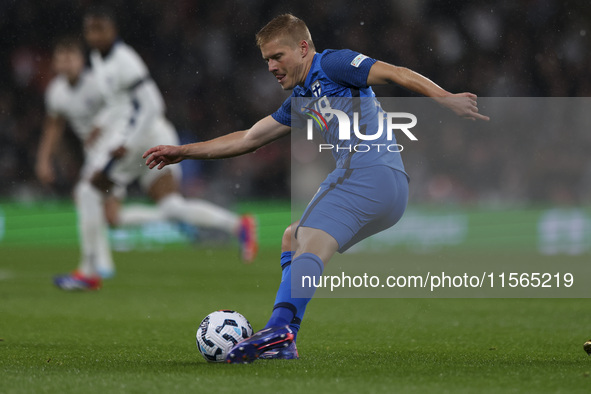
(132, 69)
(283, 114)
(146, 101)
(347, 67)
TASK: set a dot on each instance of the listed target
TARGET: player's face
(285, 62)
(99, 33)
(69, 62)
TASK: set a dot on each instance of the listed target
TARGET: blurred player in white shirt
(116, 124)
(135, 111)
(73, 97)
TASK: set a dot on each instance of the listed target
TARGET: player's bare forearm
(52, 132)
(383, 73)
(463, 104)
(230, 145)
(93, 136)
(226, 146)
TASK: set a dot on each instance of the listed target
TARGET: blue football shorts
(353, 204)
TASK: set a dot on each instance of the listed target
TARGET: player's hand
(45, 173)
(93, 137)
(163, 155)
(119, 152)
(464, 105)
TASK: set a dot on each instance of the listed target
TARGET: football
(219, 332)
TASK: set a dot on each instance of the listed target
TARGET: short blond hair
(287, 26)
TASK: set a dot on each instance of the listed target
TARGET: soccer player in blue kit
(364, 195)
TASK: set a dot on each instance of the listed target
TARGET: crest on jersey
(316, 89)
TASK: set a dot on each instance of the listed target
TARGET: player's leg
(112, 207)
(165, 190)
(115, 214)
(308, 246)
(111, 196)
(96, 259)
(91, 225)
(348, 207)
(313, 241)
(138, 214)
(288, 246)
(313, 248)
(277, 339)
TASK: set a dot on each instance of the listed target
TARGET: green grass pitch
(137, 334)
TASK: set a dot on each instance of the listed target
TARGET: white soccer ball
(219, 332)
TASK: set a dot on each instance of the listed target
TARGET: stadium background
(203, 57)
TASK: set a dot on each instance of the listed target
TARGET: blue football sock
(290, 310)
(283, 314)
(286, 258)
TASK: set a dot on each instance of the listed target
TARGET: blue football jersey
(340, 75)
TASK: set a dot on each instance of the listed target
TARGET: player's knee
(112, 214)
(316, 241)
(112, 208)
(89, 203)
(112, 218)
(288, 242)
(164, 186)
(81, 191)
(85, 192)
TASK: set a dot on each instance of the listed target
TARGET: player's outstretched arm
(53, 129)
(463, 104)
(238, 143)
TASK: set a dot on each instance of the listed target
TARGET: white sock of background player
(138, 214)
(199, 213)
(174, 207)
(94, 244)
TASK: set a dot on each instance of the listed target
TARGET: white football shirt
(133, 100)
(78, 104)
